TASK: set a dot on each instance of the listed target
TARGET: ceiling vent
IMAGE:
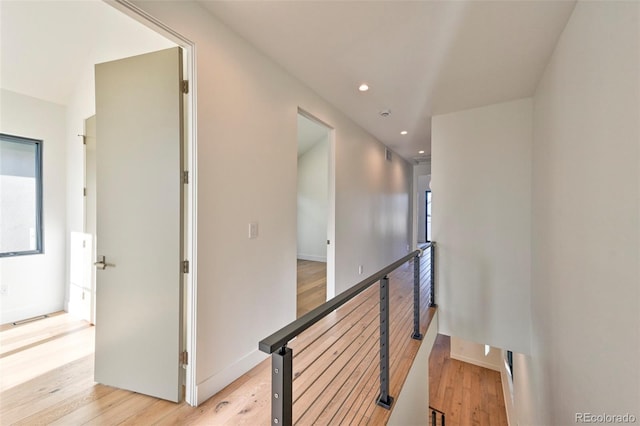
(422, 159)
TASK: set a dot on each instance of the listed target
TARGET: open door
(139, 224)
(315, 214)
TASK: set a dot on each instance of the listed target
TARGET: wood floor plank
(51, 383)
(152, 414)
(39, 359)
(119, 413)
(351, 312)
(335, 366)
(466, 393)
(14, 337)
(87, 412)
(23, 346)
(399, 331)
(68, 405)
(332, 358)
(46, 390)
(367, 359)
(318, 396)
(312, 286)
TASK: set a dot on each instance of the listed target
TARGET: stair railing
(282, 356)
(435, 416)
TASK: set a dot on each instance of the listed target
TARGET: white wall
(36, 283)
(247, 155)
(313, 202)
(473, 353)
(586, 219)
(410, 406)
(422, 188)
(520, 400)
(481, 220)
(420, 173)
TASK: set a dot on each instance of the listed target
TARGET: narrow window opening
(20, 196)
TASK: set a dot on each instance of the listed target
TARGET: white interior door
(90, 202)
(139, 223)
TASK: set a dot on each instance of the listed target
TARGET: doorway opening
(315, 207)
(70, 225)
(114, 232)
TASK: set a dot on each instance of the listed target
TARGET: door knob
(102, 263)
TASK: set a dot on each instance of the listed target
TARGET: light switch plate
(253, 230)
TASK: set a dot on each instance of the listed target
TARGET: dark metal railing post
(434, 417)
(384, 400)
(432, 302)
(282, 357)
(281, 387)
(416, 299)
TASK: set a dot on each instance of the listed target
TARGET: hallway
(44, 388)
(335, 372)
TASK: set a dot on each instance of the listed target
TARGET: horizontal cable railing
(282, 356)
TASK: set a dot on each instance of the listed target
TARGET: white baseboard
(312, 257)
(31, 311)
(219, 381)
(474, 361)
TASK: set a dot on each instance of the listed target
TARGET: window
(20, 196)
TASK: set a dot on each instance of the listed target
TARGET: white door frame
(331, 213)
(190, 282)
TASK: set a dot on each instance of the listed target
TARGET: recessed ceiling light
(420, 152)
(404, 132)
(363, 87)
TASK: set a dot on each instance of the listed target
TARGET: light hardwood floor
(467, 394)
(46, 371)
(312, 286)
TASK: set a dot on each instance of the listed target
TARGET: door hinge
(185, 177)
(184, 358)
(84, 191)
(185, 266)
(185, 86)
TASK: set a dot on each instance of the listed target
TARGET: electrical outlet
(4, 289)
(360, 269)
